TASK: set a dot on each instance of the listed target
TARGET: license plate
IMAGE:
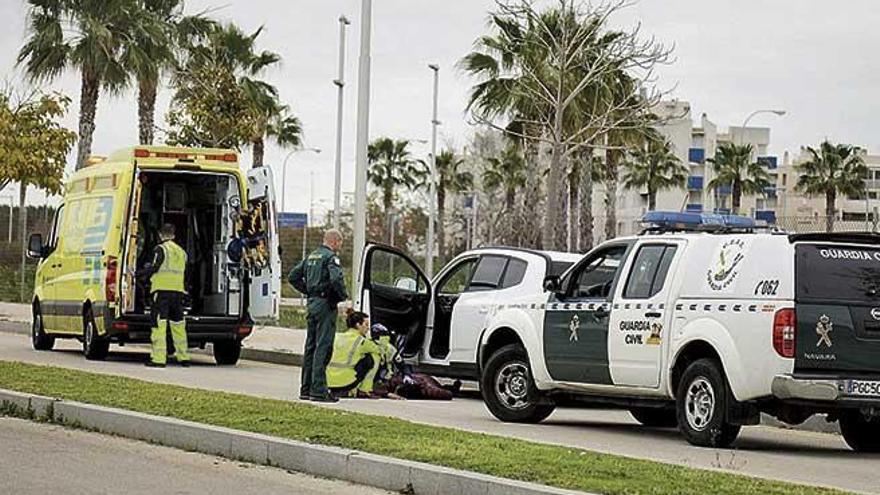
(862, 388)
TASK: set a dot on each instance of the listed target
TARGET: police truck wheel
(39, 339)
(701, 405)
(95, 347)
(655, 417)
(509, 390)
(227, 352)
(861, 434)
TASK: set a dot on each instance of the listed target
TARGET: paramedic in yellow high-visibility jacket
(166, 273)
(355, 359)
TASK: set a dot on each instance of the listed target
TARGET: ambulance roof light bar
(673, 221)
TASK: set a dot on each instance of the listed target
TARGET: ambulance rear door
(263, 251)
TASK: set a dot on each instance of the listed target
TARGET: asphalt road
(36, 459)
(799, 456)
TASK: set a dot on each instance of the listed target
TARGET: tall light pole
(284, 174)
(340, 85)
(432, 178)
(363, 136)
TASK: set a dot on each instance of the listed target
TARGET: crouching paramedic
(355, 359)
(166, 273)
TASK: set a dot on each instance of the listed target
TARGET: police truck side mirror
(551, 283)
(35, 249)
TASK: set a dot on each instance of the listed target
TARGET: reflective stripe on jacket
(169, 275)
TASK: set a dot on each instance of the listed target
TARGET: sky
(811, 58)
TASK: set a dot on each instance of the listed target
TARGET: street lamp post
(432, 178)
(363, 135)
(284, 174)
(340, 85)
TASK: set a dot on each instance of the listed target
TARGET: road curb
(332, 462)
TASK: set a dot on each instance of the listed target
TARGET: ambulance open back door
(265, 274)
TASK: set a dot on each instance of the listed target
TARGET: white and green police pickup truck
(703, 322)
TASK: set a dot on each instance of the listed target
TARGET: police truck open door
(265, 280)
(395, 292)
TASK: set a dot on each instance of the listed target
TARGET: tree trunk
(88, 105)
(652, 198)
(736, 191)
(387, 199)
(554, 213)
(22, 213)
(586, 203)
(258, 147)
(574, 186)
(611, 174)
(441, 222)
(146, 111)
(830, 200)
(528, 217)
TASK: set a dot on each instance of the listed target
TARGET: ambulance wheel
(655, 417)
(95, 347)
(227, 352)
(509, 390)
(40, 340)
(861, 434)
(701, 405)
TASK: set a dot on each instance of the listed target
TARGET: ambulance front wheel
(39, 339)
(509, 390)
(227, 352)
(701, 405)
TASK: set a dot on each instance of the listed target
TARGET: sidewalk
(271, 344)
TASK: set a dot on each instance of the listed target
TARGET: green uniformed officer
(355, 359)
(166, 273)
(319, 277)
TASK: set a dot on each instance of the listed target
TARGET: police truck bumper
(837, 390)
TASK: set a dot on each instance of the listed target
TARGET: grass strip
(558, 466)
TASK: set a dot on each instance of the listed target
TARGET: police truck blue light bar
(683, 221)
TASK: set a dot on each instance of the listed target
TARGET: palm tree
(157, 35)
(229, 47)
(450, 179)
(831, 170)
(656, 168)
(83, 35)
(733, 167)
(506, 172)
(390, 167)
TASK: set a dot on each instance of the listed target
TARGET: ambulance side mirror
(552, 283)
(36, 250)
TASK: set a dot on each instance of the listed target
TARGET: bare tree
(573, 70)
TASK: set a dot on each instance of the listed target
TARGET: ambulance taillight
(110, 280)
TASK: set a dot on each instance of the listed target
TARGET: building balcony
(695, 183)
(768, 162)
(694, 208)
(770, 191)
(724, 190)
(697, 155)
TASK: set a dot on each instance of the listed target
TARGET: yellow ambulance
(86, 284)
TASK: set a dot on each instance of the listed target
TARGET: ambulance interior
(204, 208)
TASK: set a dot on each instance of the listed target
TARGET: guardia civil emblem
(823, 329)
(573, 326)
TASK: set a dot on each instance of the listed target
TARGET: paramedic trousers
(318, 348)
(365, 371)
(167, 310)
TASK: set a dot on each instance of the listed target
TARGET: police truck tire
(39, 339)
(860, 433)
(227, 352)
(95, 347)
(655, 417)
(509, 390)
(701, 405)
